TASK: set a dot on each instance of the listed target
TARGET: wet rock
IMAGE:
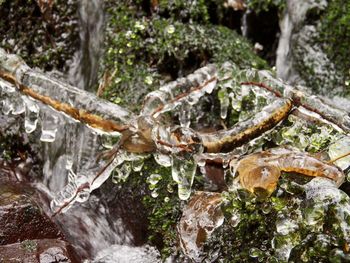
(200, 218)
(20, 216)
(38, 251)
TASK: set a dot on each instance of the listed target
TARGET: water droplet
(170, 29)
(163, 159)
(153, 179)
(154, 193)
(137, 165)
(170, 188)
(255, 252)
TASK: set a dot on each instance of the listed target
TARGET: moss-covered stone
(319, 45)
(161, 205)
(335, 37)
(299, 223)
(145, 50)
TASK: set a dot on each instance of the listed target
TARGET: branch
(173, 93)
(78, 104)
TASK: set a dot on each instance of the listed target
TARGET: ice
(162, 159)
(122, 173)
(185, 115)
(224, 103)
(69, 194)
(49, 124)
(183, 172)
(339, 148)
(153, 179)
(31, 115)
(18, 106)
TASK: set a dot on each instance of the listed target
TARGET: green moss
(264, 5)
(184, 10)
(161, 205)
(328, 32)
(312, 228)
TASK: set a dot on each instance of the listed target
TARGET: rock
(200, 218)
(38, 251)
(20, 216)
(302, 56)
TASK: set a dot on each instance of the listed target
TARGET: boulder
(20, 216)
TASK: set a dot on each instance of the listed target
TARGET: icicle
(183, 172)
(185, 115)
(224, 102)
(7, 106)
(31, 115)
(49, 125)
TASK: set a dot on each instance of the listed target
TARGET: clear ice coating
(339, 148)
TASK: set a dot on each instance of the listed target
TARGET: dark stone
(20, 216)
(38, 251)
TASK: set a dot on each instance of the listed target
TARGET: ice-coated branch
(183, 90)
(313, 103)
(78, 104)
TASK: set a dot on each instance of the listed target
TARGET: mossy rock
(320, 46)
(145, 50)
